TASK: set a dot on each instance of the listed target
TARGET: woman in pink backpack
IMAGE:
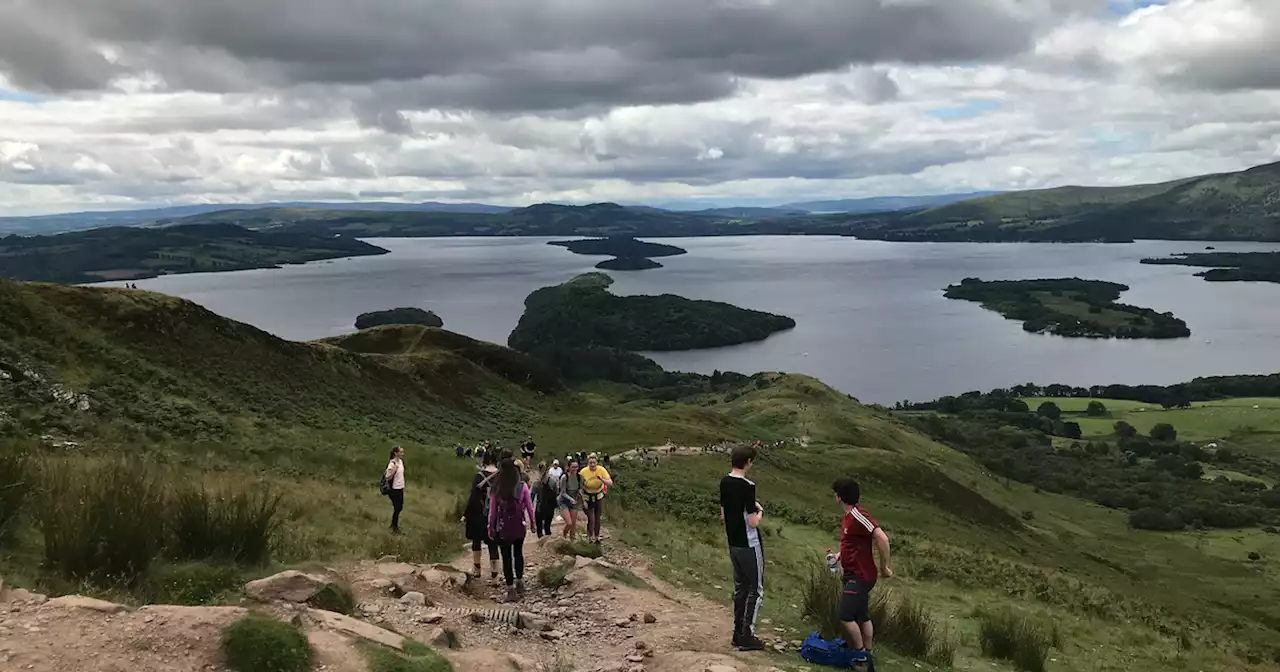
(510, 506)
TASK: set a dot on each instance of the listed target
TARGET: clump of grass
(626, 577)
(554, 576)
(235, 527)
(15, 485)
(417, 657)
(259, 643)
(582, 548)
(913, 630)
(1014, 637)
(101, 521)
(334, 597)
(191, 583)
(820, 600)
(433, 544)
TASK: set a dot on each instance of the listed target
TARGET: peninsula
(416, 316)
(629, 254)
(1069, 307)
(1228, 266)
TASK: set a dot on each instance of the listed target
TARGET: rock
(414, 598)
(477, 617)
(636, 668)
(641, 646)
(395, 569)
(523, 664)
(580, 562)
(634, 617)
(780, 647)
(431, 617)
(24, 596)
(443, 576)
(444, 638)
(527, 621)
(720, 668)
(551, 635)
(612, 667)
(635, 658)
(622, 623)
(383, 585)
(650, 618)
(356, 628)
(89, 603)
(287, 586)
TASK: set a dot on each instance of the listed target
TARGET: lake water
(871, 317)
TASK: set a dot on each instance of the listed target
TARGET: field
(206, 400)
(1204, 421)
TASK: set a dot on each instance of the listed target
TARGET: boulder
(552, 635)
(443, 576)
(444, 638)
(414, 598)
(431, 617)
(287, 586)
(353, 627)
(23, 596)
(527, 621)
(622, 623)
(650, 618)
(394, 570)
(87, 603)
(720, 668)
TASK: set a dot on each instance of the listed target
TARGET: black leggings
(493, 548)
(512, 560)
(397, 505)
(595, 508)
(543, 521)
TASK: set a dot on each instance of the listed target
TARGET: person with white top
(395, 477)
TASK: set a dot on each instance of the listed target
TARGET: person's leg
(599, 517)
(508, 569)
(493, 558)
(591, 520)
(475, 555)
(854, 608)
(868, 635)
(755, 591)
(517, 556)
(397, 505)
(739, 591)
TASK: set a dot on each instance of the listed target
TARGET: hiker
(458, 450)
(395, 479)
(477, 517)
(742, 514)
(544, 501)
(569, 498)
(858, 533)
(555, 473)
(595, 483)
(509, 506)
(527, 448)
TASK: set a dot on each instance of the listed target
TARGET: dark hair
(506, 454)
(542, 466)
(489, 458)
(847, 490)
(508, 479)
(741, 455)
(393, 452)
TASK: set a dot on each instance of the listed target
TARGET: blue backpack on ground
(819, 651)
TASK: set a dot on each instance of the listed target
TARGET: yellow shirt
(593, 481)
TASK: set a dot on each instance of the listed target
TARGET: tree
(1164, 432)
(1125, 430)
(1071, 430)
(1096, 409)
(1049, 410)
(1019, 406)
(1152, 518)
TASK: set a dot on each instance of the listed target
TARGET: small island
(379, 318)
(1228, 266)
(583, 313)
(629, 254)
(1069, 307)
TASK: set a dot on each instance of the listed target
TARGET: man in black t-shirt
(527, 448)
(742, 514)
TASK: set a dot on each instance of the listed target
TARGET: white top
(555, 473)
(395, 474)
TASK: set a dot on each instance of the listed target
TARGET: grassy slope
(196, 391)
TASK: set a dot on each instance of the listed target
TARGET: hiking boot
(520, 587)
(750, 643)
(512, 595)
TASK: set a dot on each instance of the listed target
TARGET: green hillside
(127, 253)
(203, 399)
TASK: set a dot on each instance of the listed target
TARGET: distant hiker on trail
(527, 448)
(394, 481)
(595, 483)
(742, 515)
(570, 499)
(509, 506)
(459, 450)
(544, 500)
(477, 517)
(858, 533)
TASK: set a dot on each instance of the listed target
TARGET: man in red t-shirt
(858, 533)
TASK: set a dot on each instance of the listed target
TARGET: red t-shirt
(855, 545)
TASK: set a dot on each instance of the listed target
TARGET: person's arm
(528, 506)
(754, 518)
(391, 470)
(493, 509)
(882, 545)
(605, 478)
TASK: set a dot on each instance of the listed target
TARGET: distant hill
(881, 203)
(130, 253)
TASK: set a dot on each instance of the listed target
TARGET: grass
(192, 583)
(910, 627)
(334, 597)
(1017, 638)
(15, 485)
(233, 526)
(554, 576)
(417, 657)
(1204, 421)
(626, 577)
(821, 601)
(260, 643)
(580, 548)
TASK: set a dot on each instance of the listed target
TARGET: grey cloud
(502, 54)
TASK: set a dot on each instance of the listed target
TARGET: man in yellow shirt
(595, 482)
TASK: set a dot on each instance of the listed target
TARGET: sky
(114, 104)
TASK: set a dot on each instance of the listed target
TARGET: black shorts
(855, 600)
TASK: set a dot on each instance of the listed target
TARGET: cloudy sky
(108, 104)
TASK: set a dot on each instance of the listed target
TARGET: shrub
(193, 583)
(260, 643)
(1096, 409)
(235, 527)
(1125, 430)
(1163, 432)
(1049, 410)
(554, 576)
(334, 597)
(582, 548)
(821, 600)
(100, 520)
(1015, 638)
(1151, 518)
(911, 629)
(417, 657)
(15, 485)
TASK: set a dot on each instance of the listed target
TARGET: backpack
(509, 525)
(819, 651)
(384, 483)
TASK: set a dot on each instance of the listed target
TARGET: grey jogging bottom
(748, 587)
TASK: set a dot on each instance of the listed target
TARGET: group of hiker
(505, 494)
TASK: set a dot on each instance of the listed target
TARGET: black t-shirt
(738, 499)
